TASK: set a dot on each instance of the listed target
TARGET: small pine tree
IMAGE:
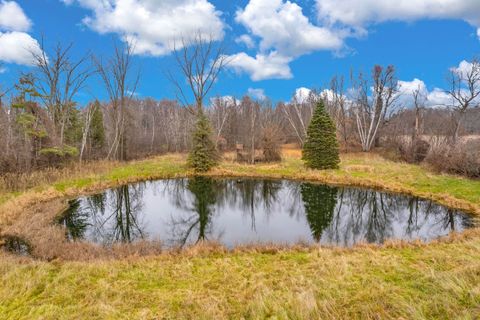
(320, 150)
(97, 130)
(203, 155)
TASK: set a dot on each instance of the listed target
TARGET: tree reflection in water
(319, 202)
(185, 211)
(204, 197)
(75, 220)
(208, 196)
(113, 216)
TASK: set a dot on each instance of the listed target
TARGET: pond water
(15, 244)
(179, 212)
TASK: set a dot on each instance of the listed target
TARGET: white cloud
(284, 34)
(435, 98)
(281, 26)
(229, 101)
(409, 87)
(258, 94)
(12, 17)
(17, 47)
(360, 13)
(301, 95)
(464, 68)
(154, 25)
(438, 97)
(246, 40)
(271, 66)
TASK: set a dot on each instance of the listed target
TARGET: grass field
(396, 281)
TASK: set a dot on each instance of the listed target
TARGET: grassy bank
(439, 281)
(356, 169)
(410, 281)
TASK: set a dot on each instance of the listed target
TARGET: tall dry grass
(20, 182)
(439, 280)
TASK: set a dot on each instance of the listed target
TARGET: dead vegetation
(30, 216)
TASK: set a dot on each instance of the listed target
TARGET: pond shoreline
(433, 280)
(172, 166)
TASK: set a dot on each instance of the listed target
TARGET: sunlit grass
(439, 280)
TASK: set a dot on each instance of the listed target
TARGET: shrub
(56, 156)
(463, 158)
(203, 155)
(412, 151)
(271, 144)
(320, 150)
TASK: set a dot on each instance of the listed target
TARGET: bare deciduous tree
(90, 110)
(200, 59)
(58, 79)
(464, 90)
(221, 108)
(373, 102)
(340, 108)
(299, 112)
(116, 74)
(419, 100)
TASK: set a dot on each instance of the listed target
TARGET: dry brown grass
(30, 214)
(398, 280)
(19, 182)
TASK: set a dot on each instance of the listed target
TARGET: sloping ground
(410, 281)
(436, 281)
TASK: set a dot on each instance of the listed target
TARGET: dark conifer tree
(97, 129)
(203, 155)
(320, 150)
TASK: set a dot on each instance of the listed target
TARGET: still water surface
(179, 212)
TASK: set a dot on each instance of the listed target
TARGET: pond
(181, 212)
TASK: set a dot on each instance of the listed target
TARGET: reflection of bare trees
(126, 226)
(113, 216)
(334, 215)
(371, 216)
(199, 212)
(252, 195)
(207, 196)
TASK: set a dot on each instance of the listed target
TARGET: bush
(320, 150)
(203, 155)
(56, 156)
(271, 144)
(413, 151)
(463, 158)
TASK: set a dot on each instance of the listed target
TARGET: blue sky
(286, 44)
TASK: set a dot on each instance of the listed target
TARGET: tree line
(43, 124)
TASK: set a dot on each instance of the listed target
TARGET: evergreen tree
(203, 155)
(73, 130)
(321, 147)
(97, 130)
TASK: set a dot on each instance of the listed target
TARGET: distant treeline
(42, 125)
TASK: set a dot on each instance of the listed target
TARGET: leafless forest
(42, 123)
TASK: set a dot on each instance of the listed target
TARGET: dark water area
(181, 212)
(14, 244)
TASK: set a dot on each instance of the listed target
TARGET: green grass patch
(435, 281)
